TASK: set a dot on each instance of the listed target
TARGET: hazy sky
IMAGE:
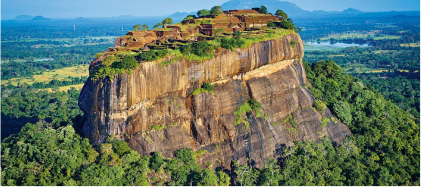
(108, 8)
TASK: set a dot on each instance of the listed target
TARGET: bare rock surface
(270, 72)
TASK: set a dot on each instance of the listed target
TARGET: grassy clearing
(410, 45)
(59, 74)
(65, 88)
(385, 51)
(16, 60)
(359, 35)
(360, 68)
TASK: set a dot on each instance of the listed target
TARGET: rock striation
(270, 72)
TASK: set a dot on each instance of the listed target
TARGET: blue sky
(109, 8)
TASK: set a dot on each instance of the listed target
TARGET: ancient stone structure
(229, 21)
(270, 72)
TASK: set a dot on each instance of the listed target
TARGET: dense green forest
(382, 150)
(403, 91)
(25, 105)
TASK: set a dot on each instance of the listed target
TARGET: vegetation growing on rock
(247, 107)
(207, 88)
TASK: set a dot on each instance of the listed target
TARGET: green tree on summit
(203, 12)
(216, 10)
(263, 10)
(137, 27)
(190, 17)
(140, 27)
(157, 25)
(167, 21)
(281, 13)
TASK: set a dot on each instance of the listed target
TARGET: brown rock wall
(270, 72)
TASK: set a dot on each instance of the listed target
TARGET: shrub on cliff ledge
(207, 87)
(153, 55)
(118, 67)
(109, 60)
(288, 24)
(198, 50)
(100, 54)
(127, 63)
(103, 72)
(250, 105)
(231, 43)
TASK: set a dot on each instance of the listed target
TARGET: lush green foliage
(109, 60)
(203, 12)
(190, 17)
(129, 62)
(293, 43)
(395, 157)
(247, 107)
(167, 21)
(139, 27)
(263, 10)
(281, 13)
(158, 127)
(40, 155)
(200, 49)
(288, 24)
(320, 106)
(271, 24)
(23, 105)
(231, 43)
(97, 55)
(207, 88)
(153, 55)
(118, 67)
(403, 91)
(216, 10)
(102, 72)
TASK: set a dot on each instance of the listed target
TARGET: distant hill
(40, 18)
(290, 8)
(322, 12)
(181, 15)
(352, 11)
(24, 17)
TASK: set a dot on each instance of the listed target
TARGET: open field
(65, 88)
(359, 35)
(318, 46)
(17, 60)
(360, 68)
(59, 74)
(410, 45)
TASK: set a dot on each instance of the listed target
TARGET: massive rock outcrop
(270, 72)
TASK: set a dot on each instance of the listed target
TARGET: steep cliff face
(270, 72)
